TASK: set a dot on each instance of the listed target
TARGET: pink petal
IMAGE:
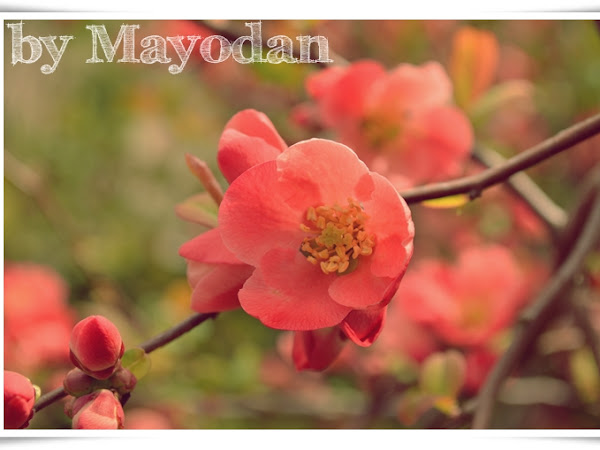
(256, 124)
(345, 102)
(316, 349)
(359, 289)
(208, 248)
(440, 141)
(254, 218)
(238, 152)
(328, 167)
(410, 88)
(287, 292)
(363, 327)
(216, 287)
(391, 222)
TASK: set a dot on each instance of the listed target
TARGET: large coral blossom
(400, 122)
(328, 239)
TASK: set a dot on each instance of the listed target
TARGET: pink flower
(99, 410)
(467, 302)
(401, 123)
(328, 240)
(220, 275)
(37, 318)
(19, 398)
(96, 346)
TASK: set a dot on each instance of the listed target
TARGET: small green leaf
(451, 201)
(199, 208)
(137, 361)
(443, 374)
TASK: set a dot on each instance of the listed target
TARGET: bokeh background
(94, 166)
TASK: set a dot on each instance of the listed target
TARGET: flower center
(337, 237)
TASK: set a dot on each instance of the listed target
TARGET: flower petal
(328, 167)
(317, 349)
(238, 152)
(208, 248)
(363, 327)
(216, 287)
(292, 299)
(254, 218)
(257, 124)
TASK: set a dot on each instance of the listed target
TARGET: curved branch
(536, 316)
(553, 216)
(149, 346)
(475, 184)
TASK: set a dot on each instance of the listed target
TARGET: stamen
(337, 237)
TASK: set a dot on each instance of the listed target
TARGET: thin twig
(475, 184)
(149, 346)
(174, 332)
(553, 216)
(536, 316)
(49, 398)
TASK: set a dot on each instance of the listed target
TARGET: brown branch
(173, 333)
(537, 315)
(149, 346)
(553, 216)
(475, 184)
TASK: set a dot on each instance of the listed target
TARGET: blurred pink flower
(37, 318)
(467, 302)
(401, 123)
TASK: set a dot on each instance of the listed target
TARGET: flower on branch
(308, 239)
(401, 123)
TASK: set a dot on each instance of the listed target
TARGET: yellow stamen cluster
(337, 237)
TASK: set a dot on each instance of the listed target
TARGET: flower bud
(96, 346)
(78, 383)
(123, 381)
(99, 410)
(19, 398)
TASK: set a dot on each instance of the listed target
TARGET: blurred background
(94, 167)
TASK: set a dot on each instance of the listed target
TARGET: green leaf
(199, 208)
(443, 374)
(137, 361)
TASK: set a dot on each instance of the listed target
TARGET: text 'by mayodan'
(127, 46)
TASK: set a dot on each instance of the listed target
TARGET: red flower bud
(19, 398)
(99, 410)
(96, 346)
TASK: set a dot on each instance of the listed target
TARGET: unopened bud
(96, 347)
(19, 398)
(98, 410)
